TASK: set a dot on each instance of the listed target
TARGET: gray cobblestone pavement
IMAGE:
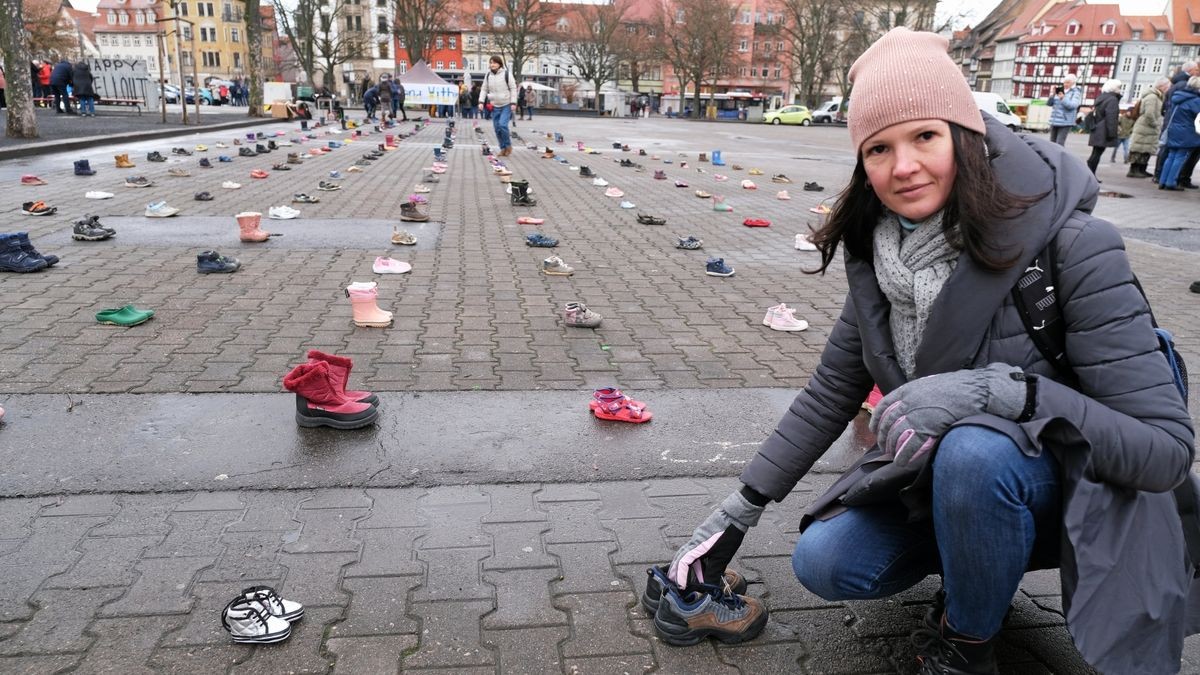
(470, 579)
(541, 575)
(56, 130)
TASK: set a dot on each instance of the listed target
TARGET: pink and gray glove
(909, 421)
(707, 554)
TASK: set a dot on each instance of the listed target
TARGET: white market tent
(536, 86)
(423, 86)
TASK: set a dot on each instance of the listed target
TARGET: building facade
(1184, 18)
(1072, 38)
(128, 29)
(1145, 56)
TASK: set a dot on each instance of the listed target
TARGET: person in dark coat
(1181, 136)
(83, 84)
(1107, 113)
(398, 99)
(371, 102)
(989, 460)
(60, 79)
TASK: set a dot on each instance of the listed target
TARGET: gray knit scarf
(911, 269)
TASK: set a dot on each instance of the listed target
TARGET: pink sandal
(610, 404)
(526, 220)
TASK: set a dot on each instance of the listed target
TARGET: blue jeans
(501, 115)
(87, 105)
(1174, 164)
(996, 514)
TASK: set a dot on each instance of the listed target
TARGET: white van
(995, 106)
(828, 111)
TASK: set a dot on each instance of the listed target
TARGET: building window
(545, 68)
(139, 19)
(1160, 36)
(381, 25)
(440, 43)
(112, 17)
(1073, 28)
(453, 42)
(182, 9)
(403, 67)
(744, 46)
(441, 65)
(235, 35)
(1108, 28)
(1077, 50)
(187, 32)
(1105, 51)
(454, 65)
(1126, 64)
(746, 16)
(1158, 65)
(1033, 50)
(137, 40)
(383, 50)
(237, 60)
(125, 40)
(487, 4)
(1052, 50)
(1196, 28)
(124, 18)
(483, 41)
(471, 41)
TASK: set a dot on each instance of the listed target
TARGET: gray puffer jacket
(1121, 432)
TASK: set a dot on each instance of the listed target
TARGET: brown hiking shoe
(409, 212)
(688, 617)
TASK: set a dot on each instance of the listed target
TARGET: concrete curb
(31, 149)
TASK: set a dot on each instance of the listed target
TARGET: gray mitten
(718, 538)
(910, 420)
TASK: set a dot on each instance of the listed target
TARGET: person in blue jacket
(371, 101)
(1064, 104)
(1181, 132)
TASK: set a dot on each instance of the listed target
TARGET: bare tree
(813, 27)
(254, 73)
(21, 122)
(418, 22)
(49, 31)
(594, 49)
(517, 27)
(318, 42)
(638, 49)
(865, 21)
(696, 41)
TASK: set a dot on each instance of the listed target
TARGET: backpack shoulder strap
(1037, 302)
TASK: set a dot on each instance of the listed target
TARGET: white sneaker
(599, 182)
(250, 622)
(282, 213)
(230, 185)
(97, 194)
(628, 205)
(278, 607)
(803, 244)
(389, 266)
(785, 320)
(771, 312)
(160, 210)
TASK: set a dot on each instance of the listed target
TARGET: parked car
(995, 106)
(172, 93)
(828, 112)
(206, 97)
(790, 114)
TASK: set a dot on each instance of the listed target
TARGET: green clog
(126, 316)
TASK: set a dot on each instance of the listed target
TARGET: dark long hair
(977, 204)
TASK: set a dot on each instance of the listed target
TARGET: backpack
(1037, 303)
(1136, 111)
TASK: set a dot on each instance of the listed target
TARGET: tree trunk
(700, 114)
(599, 109)
(14, 45)
(682, 94)
(254, 39)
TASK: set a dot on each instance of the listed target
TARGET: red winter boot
(339, 373)
(319, 401)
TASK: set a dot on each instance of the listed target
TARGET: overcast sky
(974, 10)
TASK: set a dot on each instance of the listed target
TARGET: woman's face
(910, 167)
(494, 66)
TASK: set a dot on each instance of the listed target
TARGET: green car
(792, 114)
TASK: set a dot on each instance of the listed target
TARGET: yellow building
(216, 38)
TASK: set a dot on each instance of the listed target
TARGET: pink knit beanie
(908, 76)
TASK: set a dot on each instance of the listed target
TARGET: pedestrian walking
(521, 102)
(1146, 128)
(499, 93)
(1187, 71)
(1106, 125)
(398, 95)
(43, 80)
(989, 461)
(83, 84)
(476, 94)
(530, 99)
(60, 79)
(1182, 136)
(1064, 105)
(464, 101)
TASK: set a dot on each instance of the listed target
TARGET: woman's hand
(715, 541)
(909, 421)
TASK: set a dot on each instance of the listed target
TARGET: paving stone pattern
(495, 579)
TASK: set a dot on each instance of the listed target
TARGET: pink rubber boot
(248, 222)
